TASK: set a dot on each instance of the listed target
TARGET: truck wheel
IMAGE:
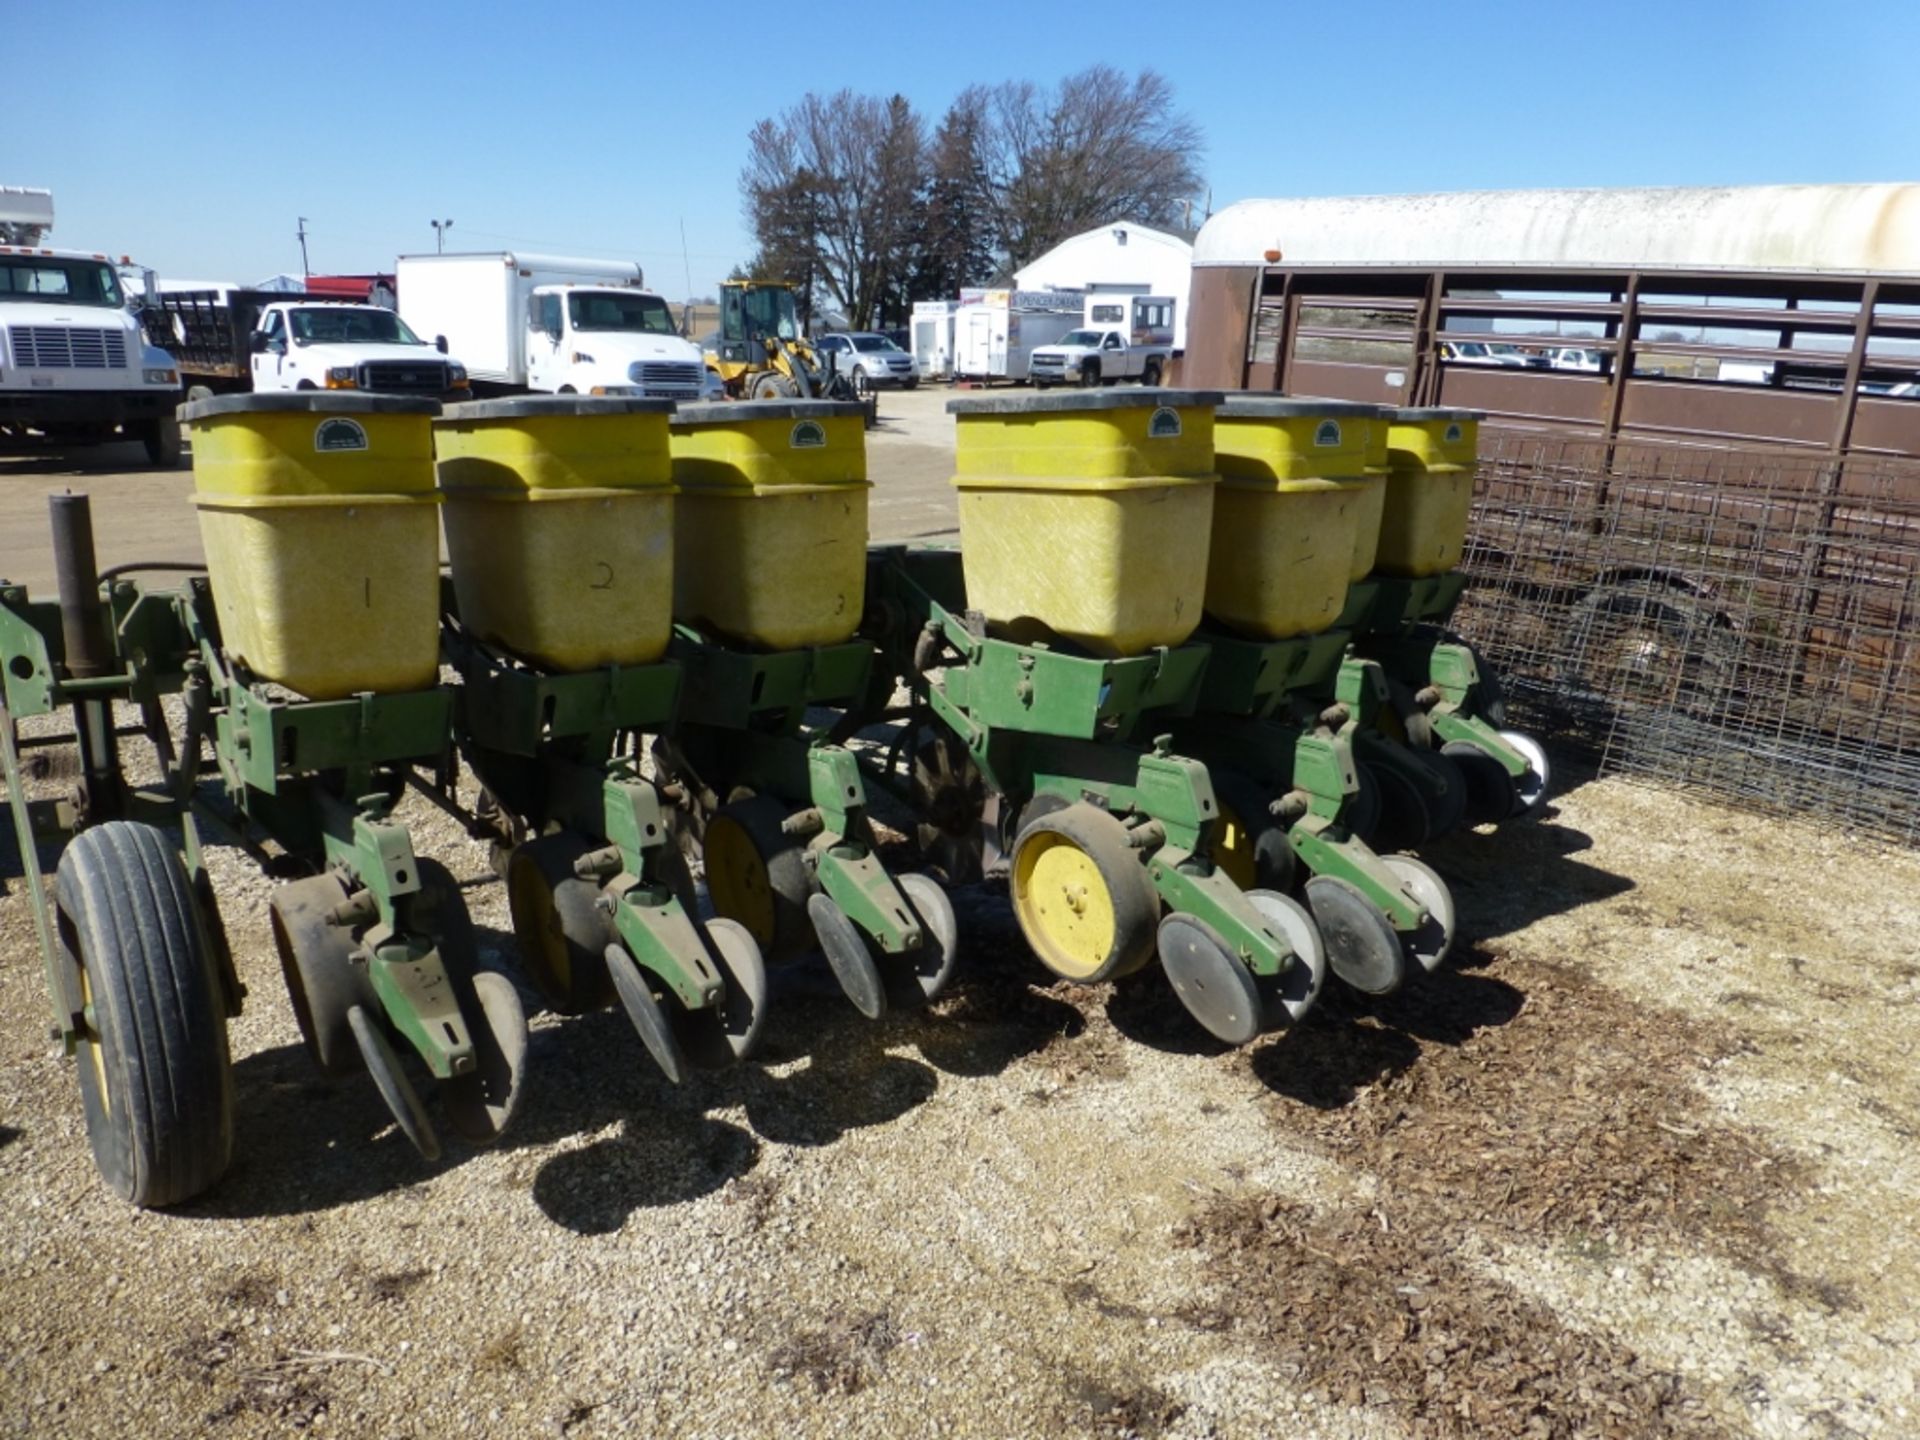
(861, 384)
(306, 385)
(162, 439)
(1089, 374)
(1150, 372)
(156, 1081)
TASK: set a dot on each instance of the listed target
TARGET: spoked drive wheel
(1363, 948)
(949, 794)
(557, 920)
(1427, 946)
(156, 1079)
(1084, 901)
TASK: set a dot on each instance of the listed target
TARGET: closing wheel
(317, 959)
(949, 795)
(1248, 843)
(1430, 943)
(1363, 948)
(135, 972)
(384, 1065)
(1530, 791)
(920, 975)
(1404, 819)
(647, 1012)
(481, 1104)
(1084, 901)
(557, 919)
(1211, 981)
(1490, 790)
(847, 953)
(757, 875)
(1286, 998)
(714, 1039)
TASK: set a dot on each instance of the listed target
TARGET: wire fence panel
(1742, 620)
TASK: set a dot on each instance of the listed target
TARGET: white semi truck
(1122, 337)
(74, 366)
(552, 324)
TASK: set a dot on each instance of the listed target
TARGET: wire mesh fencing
(1743, 621)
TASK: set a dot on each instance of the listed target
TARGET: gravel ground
(1640, 1164)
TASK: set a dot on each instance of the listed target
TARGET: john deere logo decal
(338, 434)
(807, 435)
(1453, 432)
(1328, 435)
(1165, 424)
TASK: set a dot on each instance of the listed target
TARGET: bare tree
(830, 189)
(1099, 147)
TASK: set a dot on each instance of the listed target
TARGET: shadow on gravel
(1505, 879)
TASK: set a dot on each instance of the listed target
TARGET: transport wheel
(403, 1102)
(135, 969)
(757, 875)
(1363, 948)
(845, 947)
(1248, 843)
(1287, 997)
(714, 1039)
(919, 976)
(648, 1012)
(1489, 789)
(562, 931)
(949, 795)
(1403, 818)
(317, 960)
(1430, 943)
(1211, 981)
(1530, 792)
(162, 440)
(1084, 901)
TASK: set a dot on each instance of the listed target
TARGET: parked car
(1573, 357)
(872, 360)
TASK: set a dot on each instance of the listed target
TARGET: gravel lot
(1640, 1163)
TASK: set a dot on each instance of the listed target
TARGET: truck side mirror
(440, 343)
(259, 344)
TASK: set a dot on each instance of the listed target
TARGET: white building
(1123, 258)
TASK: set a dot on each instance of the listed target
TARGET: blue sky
(193, 136)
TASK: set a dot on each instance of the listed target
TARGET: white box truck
(995, 335)
(550, 323)
(75, 368)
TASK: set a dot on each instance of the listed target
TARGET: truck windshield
(59, 282)
(1081, 337)
(350, 325)
(610, 310)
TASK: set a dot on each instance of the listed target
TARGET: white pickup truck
(74, 367)
(1125, 337)
(264, 340)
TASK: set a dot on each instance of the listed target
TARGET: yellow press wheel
(1083, 898)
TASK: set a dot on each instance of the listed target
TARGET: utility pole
(305, 270)
(440, 228)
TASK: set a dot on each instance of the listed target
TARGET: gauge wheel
(1363, 948)
(1430, 944)
(1212, 982)
(557, 920)
(316, 959)
(1249, 845)
(1287, 997)
(481, 1104)
(383, 1063)
(1530, 792)
(1403, 819)
(135, 970)
(728, 1032)
(1490, 791)
(1083, 898)
(848, 955)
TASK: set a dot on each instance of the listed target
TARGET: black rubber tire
(323, 983)
(1135, 903)
(563, 933)
(1150, 372)
(1089, 374)
(1275, 866)
(156, 1078)
(162, 440)
(1491, 796)
(1402, 820)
